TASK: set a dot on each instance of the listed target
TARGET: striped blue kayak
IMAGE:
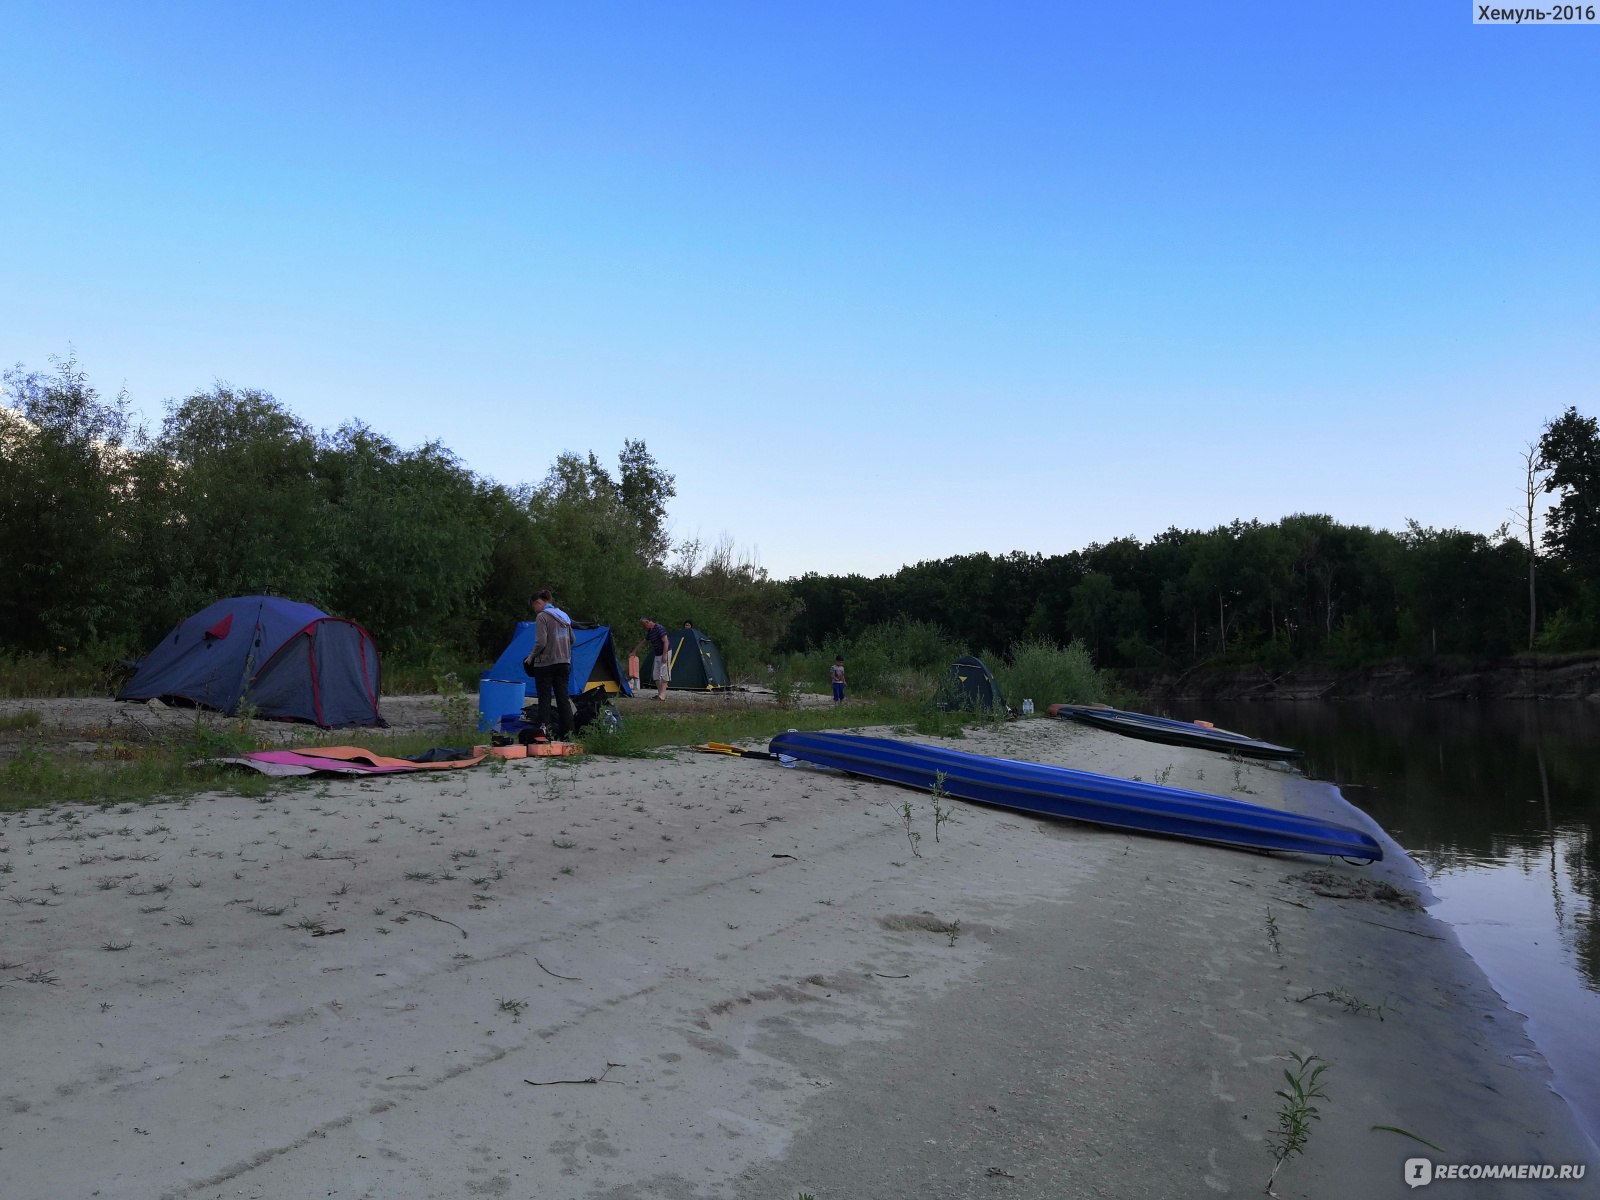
(1079, 795)
(1170, 731)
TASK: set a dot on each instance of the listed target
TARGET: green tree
(63, 491)
(1570, 451)
(1266, 569)
(1216, 574)
(1458, 590)
(643, 489)
(246, 510)
(405, 539)
(1101, 612)
(584, 542)
(511, 574)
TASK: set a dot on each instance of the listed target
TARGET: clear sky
(879, 282)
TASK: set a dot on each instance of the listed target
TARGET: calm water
(1500, 806)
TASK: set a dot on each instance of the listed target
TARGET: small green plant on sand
(1302, 1087)
(1347, 1000)
(941, 814)
(912, 835)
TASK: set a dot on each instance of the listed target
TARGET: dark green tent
(971, 685)
(695, 661)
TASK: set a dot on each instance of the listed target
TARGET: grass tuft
(26, 719)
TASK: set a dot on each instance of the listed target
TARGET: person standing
(837, 673)
(655, 636)
(550, 664)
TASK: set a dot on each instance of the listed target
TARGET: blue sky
(878, 282)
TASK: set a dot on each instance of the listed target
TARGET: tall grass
(103, 673)
(118, 772)
(92, 673)
(418, 675)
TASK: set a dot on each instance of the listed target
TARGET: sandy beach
(711, 977)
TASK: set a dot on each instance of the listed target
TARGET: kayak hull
(1079, 795)
(1171, 732)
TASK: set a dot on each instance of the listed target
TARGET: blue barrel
(499, 698)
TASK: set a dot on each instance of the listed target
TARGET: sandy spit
(708, 977)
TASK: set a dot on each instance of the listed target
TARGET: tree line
(1304, 588)
(111, 532)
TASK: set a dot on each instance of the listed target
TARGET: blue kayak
(1171, 732)
(1079, 795)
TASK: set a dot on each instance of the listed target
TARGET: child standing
(633, 673)
(838, 679)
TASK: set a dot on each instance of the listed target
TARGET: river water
(1499, 804)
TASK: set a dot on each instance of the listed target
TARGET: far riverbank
(1526, 677)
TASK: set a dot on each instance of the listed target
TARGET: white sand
(715, 977)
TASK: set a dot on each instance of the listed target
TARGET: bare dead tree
(1537, 473)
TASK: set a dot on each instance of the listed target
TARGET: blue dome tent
(277, 658)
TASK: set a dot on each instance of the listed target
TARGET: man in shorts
(655, 636)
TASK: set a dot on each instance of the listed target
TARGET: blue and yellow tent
(594, 661)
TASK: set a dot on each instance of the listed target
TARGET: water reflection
(1500, 806)
(1463, 787)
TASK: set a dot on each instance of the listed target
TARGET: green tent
(695, 662)
(971, 685)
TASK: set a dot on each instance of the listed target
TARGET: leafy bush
(1568, 630)
(455, 706)
(911, 683)
(1041, 671)
(902, 659)
(785, 685)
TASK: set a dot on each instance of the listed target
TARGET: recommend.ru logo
(1419, 1172)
